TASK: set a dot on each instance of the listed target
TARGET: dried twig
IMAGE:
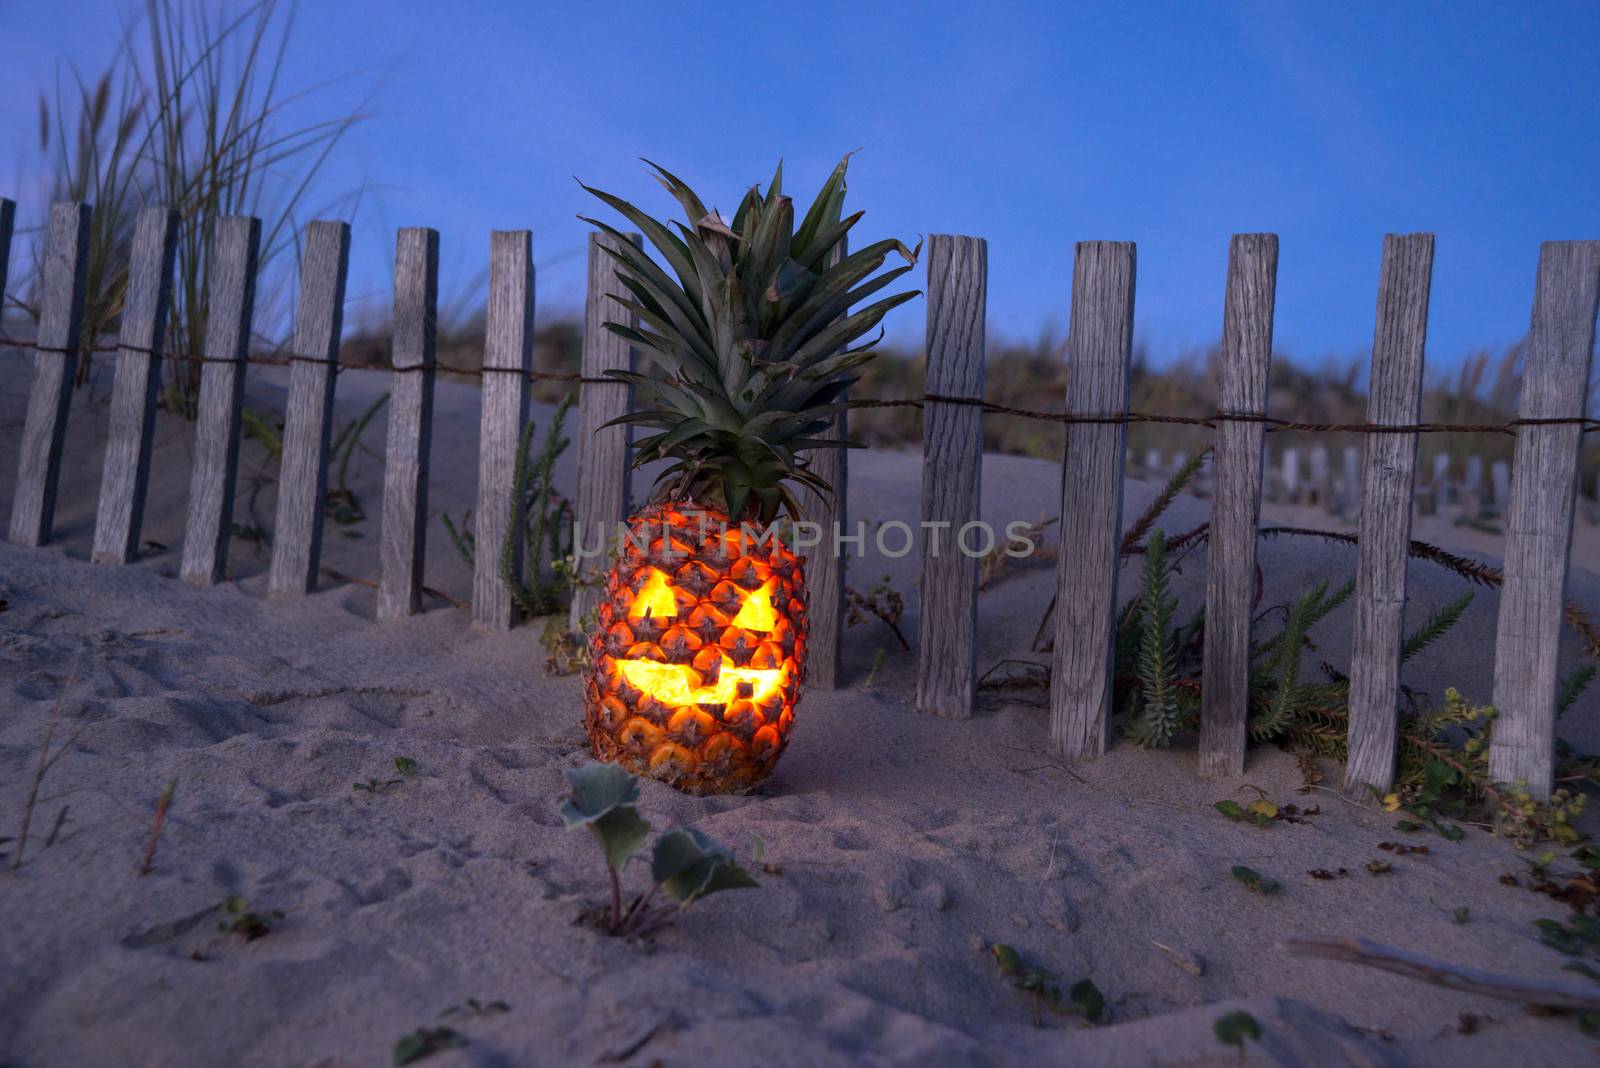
(46, 759)
(1548, 993)
(155, 828)
(55, 828)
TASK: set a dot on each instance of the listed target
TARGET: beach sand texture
(902, 845)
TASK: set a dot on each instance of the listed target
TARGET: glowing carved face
(680, 685)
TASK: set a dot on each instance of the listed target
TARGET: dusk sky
(1032, 125)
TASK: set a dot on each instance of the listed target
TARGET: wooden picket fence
(1538, 510)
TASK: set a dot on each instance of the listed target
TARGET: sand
(901, 845)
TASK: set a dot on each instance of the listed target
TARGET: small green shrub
(685, 864)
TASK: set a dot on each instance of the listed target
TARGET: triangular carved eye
(656, 599)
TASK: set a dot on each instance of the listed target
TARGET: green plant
(877, 665)
(547, 540)
(749, 343)
(1442, 756)
(1443, 772)
(163, 803)
(1578, 938)
(406, 766)
(534, 496)
(1235, 1029)
(266, 428)
(240, 919)
(1254, 881)
(685, 864)
(567, 652)
(882, 602)
(1160, 709)
(1280, 700)
(342, 505)
(1083, 998)
(425, 1042)
(474, 1007)
(1259, 812)
(193, 120)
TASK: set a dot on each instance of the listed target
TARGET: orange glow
(654, 599)
(679, 685)
(757, 613)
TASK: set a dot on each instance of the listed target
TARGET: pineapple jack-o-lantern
(699, 645)
(697, 652)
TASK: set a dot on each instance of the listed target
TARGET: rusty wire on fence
(1209, 422)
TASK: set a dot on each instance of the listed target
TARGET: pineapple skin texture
(700, 748)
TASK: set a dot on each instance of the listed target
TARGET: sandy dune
(902, 844)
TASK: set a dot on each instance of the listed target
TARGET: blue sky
(1033, 125)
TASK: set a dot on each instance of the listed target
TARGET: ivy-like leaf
(596, 790)
(689, 865)
(424, 1042)
(1235, 1028)
(1006, 959)
(1253, 879)
(1088, 999)
(622, 832)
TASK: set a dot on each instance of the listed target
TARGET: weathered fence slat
(1388, 481)
(308, 414)
(405, 471)
(55, 363)
(1099, 347)
(825, 568)
(507, 347)
(1247, 321)
(126, 472)
(952, 461)
(8, 220)
(1555, 385)
(604, 464)
(231, 286)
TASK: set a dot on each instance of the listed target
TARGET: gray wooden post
(1237, 459)
(8, 220)
(1394, 399)
(308, 415)
(1555, 385)
(405, 469)
(126, 472)
(1099, 348)
(952, 463)
(604, 459)
(507, 347)
(825, 568)
(55, 362)
(231, 285)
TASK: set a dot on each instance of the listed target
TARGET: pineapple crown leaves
(749, 335)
